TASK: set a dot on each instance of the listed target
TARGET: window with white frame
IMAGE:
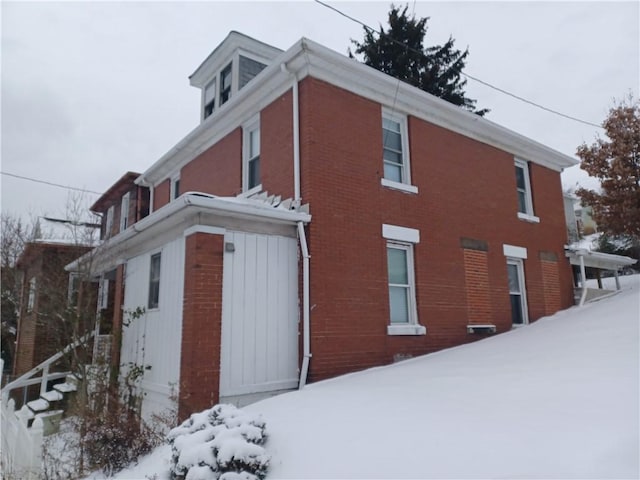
(251, 156)
(109, 223)
(395, 148)
(73, 292)
(209, 98)
(225, 84)
(154, 281)
(523, 187)
(175, 187)
(124, 212)
(31, 298)
(403, 314)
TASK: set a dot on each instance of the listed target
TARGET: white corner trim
(514, 252)
(528, 218)
(405, 187)
(204, 229)
(406, 330)
(403, 234)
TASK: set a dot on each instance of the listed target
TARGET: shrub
(222, 443)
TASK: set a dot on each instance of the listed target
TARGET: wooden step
(38, 405)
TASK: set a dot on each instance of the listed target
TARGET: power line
(84, 190)
(471, 77)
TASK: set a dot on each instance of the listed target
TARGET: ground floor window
(517, 291)
(154, 281)
(402, 301)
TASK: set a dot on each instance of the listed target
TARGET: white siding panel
(259, 350)
(155, 338)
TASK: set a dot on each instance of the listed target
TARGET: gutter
(306, 347)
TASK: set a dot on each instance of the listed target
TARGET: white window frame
(74, 288)
(124, 211)
(519, 264)
(404, 185)
(213, 84)
(103, 294)
(151, 279)
(108, 229)
(528, 215)
(174, 187)
(251, 126)
(404, 238)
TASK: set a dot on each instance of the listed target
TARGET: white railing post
(35, 461)
(45, 378)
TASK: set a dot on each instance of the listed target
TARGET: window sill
(406, 330)
(528, 218)
(404, 187)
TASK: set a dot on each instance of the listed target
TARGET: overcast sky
(91, 90)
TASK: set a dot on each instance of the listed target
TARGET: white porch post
(615, 274)
(583, 276)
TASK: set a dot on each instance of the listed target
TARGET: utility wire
(49, 183)
(471, 77)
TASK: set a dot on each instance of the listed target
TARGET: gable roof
(119, 188)
(308, 58)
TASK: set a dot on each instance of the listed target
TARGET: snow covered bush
(222, 443)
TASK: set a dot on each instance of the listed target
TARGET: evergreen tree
(616, 163)
(400, 52)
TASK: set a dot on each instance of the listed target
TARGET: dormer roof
(224, 52)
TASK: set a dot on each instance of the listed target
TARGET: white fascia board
(601, 260)
(514, 252)
(366, 81)
(402, 234)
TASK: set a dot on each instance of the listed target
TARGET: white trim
(204, 229)
(519, 264)
(403, 234)
(250, 126)
(412, 310)
(528, 200)
(401, 119)
(124, 211)
(398, 186)
(528, 218)
(108, 229)
(411, 329)
(151, 195)
(514, 252)
(172, 186)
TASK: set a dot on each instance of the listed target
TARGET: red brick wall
(218, 170)
(466, 189)
(161, 194)
(551, 286)
(276, 154)
(201, 323)
(477, 287)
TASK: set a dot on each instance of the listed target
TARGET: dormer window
(225, 84)
(210, 98)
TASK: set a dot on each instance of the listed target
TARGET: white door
(259, 350)
(517, 292)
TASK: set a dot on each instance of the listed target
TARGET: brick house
(47, 289)
(400, 225)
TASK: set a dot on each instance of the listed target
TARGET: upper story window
(523, 187)
(251, 156)
(209, 98)
(175, 187)
(124, 212)
(109, 222)
(225, 84)
(395, 152)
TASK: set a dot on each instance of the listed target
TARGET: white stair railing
(27, 379)
(21, 445)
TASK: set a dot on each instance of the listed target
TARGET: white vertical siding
(259, 350)
(155, 338)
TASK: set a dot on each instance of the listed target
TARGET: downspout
(306, 343)
(306, 348)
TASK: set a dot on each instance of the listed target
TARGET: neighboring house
(47, 291)
(570, 215)
(402, 225)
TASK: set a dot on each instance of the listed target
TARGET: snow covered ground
(556, 399)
